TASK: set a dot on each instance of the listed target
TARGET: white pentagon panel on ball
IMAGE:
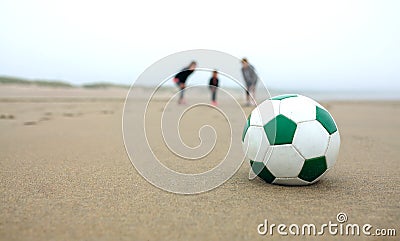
(284, 161)
(291, 181)
(255, 144)
(298, 108)
(311, 100)
(311, 139)
(333, 149)
(264, 112)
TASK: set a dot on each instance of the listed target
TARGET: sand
(65, 175)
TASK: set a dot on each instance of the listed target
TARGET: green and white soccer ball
(290, 140)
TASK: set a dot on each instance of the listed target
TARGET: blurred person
(250, 78)
(213, 85)
(181, 77)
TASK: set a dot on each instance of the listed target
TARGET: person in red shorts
(213, 85)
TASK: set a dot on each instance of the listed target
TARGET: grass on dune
(21, 81)
(55, 83)
(100, 85)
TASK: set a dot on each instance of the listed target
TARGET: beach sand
(65, 175)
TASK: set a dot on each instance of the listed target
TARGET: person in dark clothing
(213, 85)
(181, 77)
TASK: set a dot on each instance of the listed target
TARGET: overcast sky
(292, 44)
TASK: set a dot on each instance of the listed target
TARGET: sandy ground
(65, 175)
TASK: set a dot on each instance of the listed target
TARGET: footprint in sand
(69, 114)
(44, 118)
(107, 112)
(30, 123)
(7, 116)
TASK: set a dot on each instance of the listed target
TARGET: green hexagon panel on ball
(290, 140)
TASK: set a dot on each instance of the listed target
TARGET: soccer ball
(290, 140)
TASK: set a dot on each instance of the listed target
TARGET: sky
(309, 45)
